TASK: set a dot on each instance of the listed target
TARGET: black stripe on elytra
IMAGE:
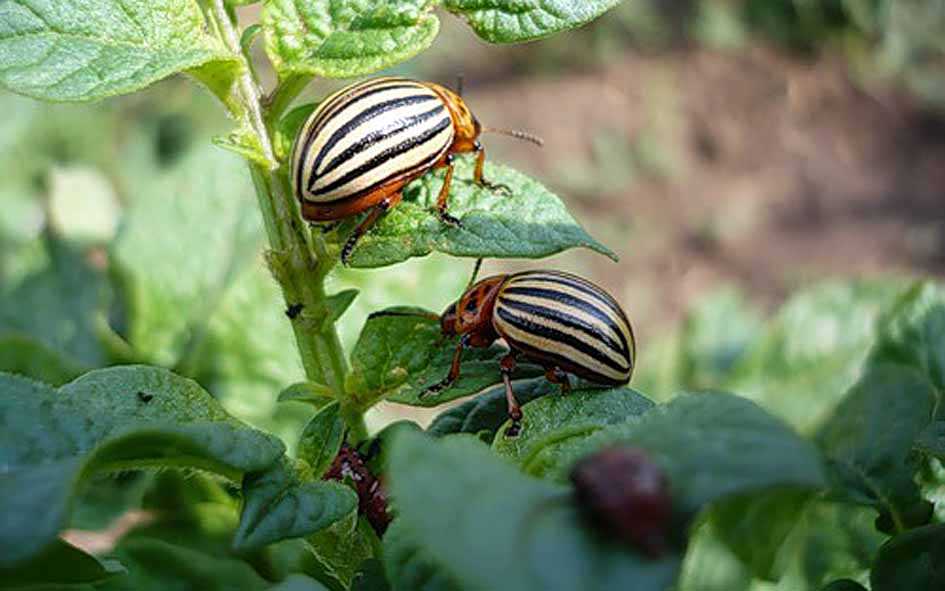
(578, 284)
(364, 116)
(568, 320)
(328, 110)
(560, 337)
(372, 138)
(569, 300)
(392, 152)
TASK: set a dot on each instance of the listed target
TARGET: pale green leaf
(79, 50)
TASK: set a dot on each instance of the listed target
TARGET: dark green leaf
(408, 568)
(913, 333)
(317, 395)
(298, 582)
(492, 527)
(912, 560)
(932, 440)
(554, 424)
(77, 50)
(871, 434)
(714, 445)
(398, 357)
(20, 354)
(120, 418)
(288, 128)
(371, 577)
(345, 38)
(844, 585)
(59, 564)
(514, 21)
(530, 223)
(343, 547)
(321, 439)
(710, 565)
(376, 450)
(40, 307)
(285, 502)
(488, 411)
(755, 526)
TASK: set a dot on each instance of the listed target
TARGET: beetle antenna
(475, 273)
(428, 315)
(460, 79)
(522, 135)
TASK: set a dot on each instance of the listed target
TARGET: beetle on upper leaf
(363, 144)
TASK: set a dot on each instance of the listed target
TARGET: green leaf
(912, 333)
(912, 560)
(298, 582)
(345, 38)
(407, 567)
(844, 585)
(288, 128)
(554, 424)
(59, 564)
(515, 21)
(398, 357)
(51, 441)
(813, 351)
(871, 434)
(286, 502)
(62, 306)
(712, 446)
(709, 564)
(376, 450)
(932, 440)
(488, 411)
(244, 141)
(339, 303)
(322, 438)
(530, 223)
(756, 526)
(25, 356)
(343, 547)
(81, 50)
(317, 395)
(492, 527)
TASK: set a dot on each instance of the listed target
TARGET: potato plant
(804, 453)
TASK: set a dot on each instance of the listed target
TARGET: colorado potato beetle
(363, 144)
(557, 320)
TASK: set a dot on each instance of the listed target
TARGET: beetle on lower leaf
(557, 320)
(362, 145)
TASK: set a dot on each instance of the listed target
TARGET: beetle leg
(453, 375)
(477, 176)
(365, 225)
(556, 375)
(507, 366)
(441, 199)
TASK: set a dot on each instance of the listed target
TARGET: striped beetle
(560, 321)
(365, 143)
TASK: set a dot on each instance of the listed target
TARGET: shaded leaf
(554, 424)
(298, 582)
(120, 418)
(407, 567)
(514, 21)
(20, 354)
(932, 440)
(59, 564)
(321, 439)
(81, 50)
(288, 128)
(911, 560)
(714, 445)
(530, 223)
(871, 434)
(286, 502)
(398, 357)
(345, 38)
(494, 528)
(343, 547)
(488, 411)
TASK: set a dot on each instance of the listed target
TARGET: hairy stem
(298, 261)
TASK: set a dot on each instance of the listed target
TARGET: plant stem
(299, 261)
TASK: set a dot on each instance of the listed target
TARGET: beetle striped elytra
(560, 321)
(363, 144)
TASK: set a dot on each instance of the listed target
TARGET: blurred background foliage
(771, 172)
